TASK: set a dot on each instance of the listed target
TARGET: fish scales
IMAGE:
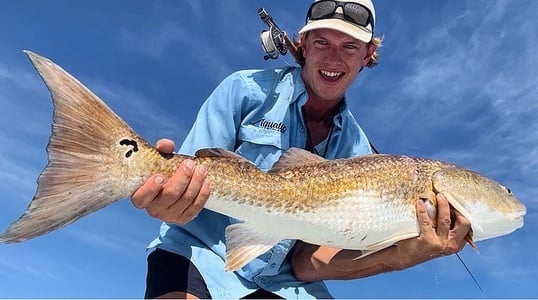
(361, 185)
(310, 186)
(365, 203)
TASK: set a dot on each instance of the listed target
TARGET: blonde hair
(374, 59)
(294, 46)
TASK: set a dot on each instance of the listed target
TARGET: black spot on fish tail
(133, 143)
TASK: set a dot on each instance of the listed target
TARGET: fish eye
(507, 190)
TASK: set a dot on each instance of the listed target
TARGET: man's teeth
(331, 74)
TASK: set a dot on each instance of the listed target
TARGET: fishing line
(469, 272)
(375, 151)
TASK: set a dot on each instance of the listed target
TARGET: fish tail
(90, 161)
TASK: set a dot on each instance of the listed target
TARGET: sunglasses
(354, 13)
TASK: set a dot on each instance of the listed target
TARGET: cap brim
(361, 33)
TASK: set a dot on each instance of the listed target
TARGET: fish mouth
(487, 223)
(518, 215)
(518, 219)
(498, 226)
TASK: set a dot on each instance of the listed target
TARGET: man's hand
(435, 240)
(177, 199)
(312, 262)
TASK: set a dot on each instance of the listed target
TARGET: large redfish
(365, 203)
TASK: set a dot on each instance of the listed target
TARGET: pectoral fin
(469, 239)
(244, 243)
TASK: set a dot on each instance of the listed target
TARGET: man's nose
(334, 54)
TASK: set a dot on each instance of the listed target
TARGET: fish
(364, 203)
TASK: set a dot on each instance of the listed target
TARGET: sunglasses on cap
(354, 13)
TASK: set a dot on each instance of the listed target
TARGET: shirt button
(301, 129)
(264, 280)
(272, 266)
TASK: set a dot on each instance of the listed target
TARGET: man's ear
(371, 50)
(302, 41)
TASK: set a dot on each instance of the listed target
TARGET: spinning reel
(275, 41)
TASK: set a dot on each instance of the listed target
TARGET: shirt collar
(299, 92)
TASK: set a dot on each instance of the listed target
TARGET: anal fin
(244, 243)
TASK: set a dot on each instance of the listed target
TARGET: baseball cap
(353, 17)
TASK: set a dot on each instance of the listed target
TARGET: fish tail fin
(88, 158)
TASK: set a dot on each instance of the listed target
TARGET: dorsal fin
(219, 152)
(295, 157)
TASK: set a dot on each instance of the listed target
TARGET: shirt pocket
(262, 146)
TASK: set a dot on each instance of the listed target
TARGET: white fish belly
(360, 222)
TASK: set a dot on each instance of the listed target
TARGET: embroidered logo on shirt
(277, 126)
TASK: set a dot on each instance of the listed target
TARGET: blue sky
(457, 81)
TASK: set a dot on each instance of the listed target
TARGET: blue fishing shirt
(257, 114)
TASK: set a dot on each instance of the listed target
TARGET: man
(305, 107)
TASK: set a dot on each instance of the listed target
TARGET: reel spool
(273, 44)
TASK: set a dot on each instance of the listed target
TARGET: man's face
(332, 61)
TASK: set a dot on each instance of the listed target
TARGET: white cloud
(137, 110)
(466, 93)
(27, 270)
(467, 87)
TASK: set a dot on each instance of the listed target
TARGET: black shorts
(169, 272)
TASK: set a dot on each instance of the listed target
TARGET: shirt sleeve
(218, 119)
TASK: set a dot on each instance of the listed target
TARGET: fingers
(171, 193)
(178, 199)
(426, 226)
(194, 194)
(434, 241)
(443, 215)
(145, 194)
(461, 224)
(452, 232)
(458, 234)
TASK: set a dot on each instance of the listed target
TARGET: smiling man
(260, 114)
